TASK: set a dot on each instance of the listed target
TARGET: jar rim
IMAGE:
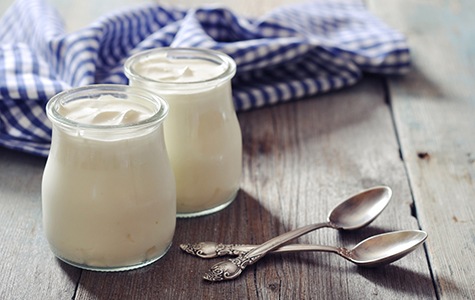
(188, 53)
(94, 91)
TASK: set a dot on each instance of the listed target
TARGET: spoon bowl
(361, 209)
(385, 248)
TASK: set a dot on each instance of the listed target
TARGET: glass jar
(108, 191)
(202, 132)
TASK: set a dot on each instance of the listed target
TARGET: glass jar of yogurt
(108, 191)
(202, 132)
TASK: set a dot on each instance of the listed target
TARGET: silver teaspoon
(374, 251)
(357, 211)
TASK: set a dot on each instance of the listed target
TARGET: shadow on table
(72, 273)
(347, 238)
(400, 279)
(243, 221)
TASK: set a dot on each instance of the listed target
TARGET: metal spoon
(353, 213)
(374, 251)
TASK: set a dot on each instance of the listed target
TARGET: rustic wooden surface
(414, 133)
(434, 112)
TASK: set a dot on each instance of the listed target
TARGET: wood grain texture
(27, 268)
(434, 110)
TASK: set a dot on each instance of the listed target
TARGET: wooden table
(414, 133)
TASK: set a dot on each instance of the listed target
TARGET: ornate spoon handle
(232, 268)
(213, 250)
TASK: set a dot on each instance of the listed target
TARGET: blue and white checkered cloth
(293, 52)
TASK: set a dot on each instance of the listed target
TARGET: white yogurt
(166, 69)
(106, 110)
(202, 132)
(108, 190)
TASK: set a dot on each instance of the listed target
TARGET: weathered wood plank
(27, 268)
(434, 110)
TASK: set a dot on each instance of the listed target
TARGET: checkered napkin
(292, 52)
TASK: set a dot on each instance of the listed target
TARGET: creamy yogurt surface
(106, 110)
(163, 69)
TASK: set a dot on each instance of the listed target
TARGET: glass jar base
(117, 268)
(208, 211)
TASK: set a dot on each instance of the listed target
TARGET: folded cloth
(292, 52)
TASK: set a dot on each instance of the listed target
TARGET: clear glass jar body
(202, 132)
(108, 192)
